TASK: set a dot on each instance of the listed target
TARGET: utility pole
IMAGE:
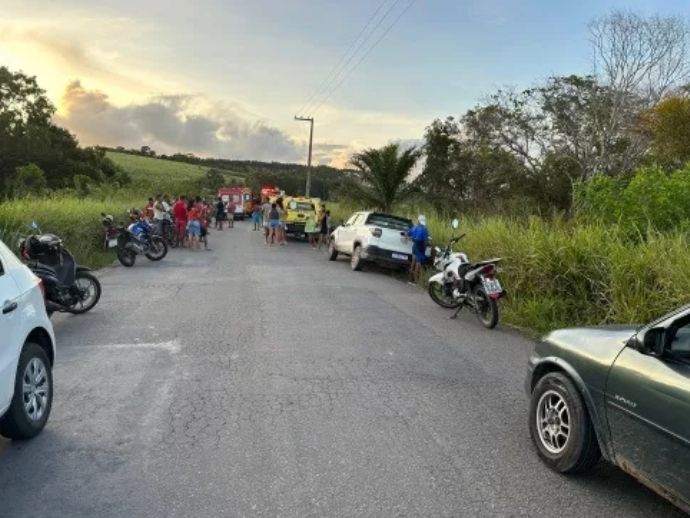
(307, 190)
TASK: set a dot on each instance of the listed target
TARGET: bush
(652, 199)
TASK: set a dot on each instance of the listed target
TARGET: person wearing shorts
(194, 227)
(273, 224)
(420, 237)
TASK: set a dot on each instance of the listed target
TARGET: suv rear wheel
(33, 395)
(561, 427)
(332, 251)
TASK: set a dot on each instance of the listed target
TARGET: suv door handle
(9, 307)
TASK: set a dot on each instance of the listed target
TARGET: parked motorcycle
(69, 287)
(138, 238)
(461, 283)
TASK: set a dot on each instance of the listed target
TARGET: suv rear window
(300, 205)
(388, 221)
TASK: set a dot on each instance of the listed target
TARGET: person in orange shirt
(193, 226)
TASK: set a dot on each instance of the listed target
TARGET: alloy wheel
(553, 422)
(35, 389)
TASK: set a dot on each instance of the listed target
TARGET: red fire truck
(241, 197)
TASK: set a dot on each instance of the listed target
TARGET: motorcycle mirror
(455, 223)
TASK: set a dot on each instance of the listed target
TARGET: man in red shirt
(180, 213)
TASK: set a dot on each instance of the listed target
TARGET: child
(310, 230)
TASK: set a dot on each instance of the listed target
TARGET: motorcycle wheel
(439, 296)
(170, 236)
(158, 249)
(486, 308)
(90, 288)
(126, 257)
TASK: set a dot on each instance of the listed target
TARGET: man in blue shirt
(420, 237)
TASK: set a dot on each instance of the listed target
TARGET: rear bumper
(295, 228)
(385, 257)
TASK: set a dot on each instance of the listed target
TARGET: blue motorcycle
(136, 239)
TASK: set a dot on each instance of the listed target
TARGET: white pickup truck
(372, 237)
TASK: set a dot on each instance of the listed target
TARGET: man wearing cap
(419, 236)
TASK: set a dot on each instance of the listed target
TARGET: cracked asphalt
(250, 381)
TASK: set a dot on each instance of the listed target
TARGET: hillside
(177, 172)
(163, 175)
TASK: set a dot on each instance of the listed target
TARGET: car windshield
(388, 221)
(300, 205)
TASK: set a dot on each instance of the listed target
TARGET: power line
(368, 51)
(332, 73)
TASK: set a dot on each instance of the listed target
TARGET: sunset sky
(226, 77)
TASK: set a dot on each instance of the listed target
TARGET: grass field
(155, 174)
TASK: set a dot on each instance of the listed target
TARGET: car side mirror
(651, 342)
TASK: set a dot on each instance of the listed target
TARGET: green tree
(382, 176)
(669, 125)
(30, 179)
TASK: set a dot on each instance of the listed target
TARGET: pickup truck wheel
(560, 426)
(332, 252)
(33, 395)
(356, 259)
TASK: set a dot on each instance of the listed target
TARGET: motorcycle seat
(488, 261)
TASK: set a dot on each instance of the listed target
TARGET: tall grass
(77, 221)
(559, 273)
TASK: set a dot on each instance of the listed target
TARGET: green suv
(620, 392)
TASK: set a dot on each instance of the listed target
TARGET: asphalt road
(251, 381)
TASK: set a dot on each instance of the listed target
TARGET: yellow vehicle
(297, 210)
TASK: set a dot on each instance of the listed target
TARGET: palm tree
(382, 174)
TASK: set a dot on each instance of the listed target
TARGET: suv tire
(17, 422)
(332, 251)
(555, 401)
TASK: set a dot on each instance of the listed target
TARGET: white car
(27, 350)
(372, 237)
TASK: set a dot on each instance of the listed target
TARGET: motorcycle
(138, 238)
(69, 287)
(461, 283)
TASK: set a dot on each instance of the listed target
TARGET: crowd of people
(191, 217)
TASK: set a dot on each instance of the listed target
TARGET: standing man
(420, 237)
(180, 213)
(220, 213)
(231, 213)
(266, 213)
(324, 221)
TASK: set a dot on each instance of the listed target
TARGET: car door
(648, 410)
(346, 234)
(10, 329)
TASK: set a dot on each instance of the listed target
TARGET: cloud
(173, 123)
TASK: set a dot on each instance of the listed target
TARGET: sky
(225, 78)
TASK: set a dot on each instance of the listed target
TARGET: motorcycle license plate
(399, 256)
(112, 243)
(492, 286)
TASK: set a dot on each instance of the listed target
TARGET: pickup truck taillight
(376, 232)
